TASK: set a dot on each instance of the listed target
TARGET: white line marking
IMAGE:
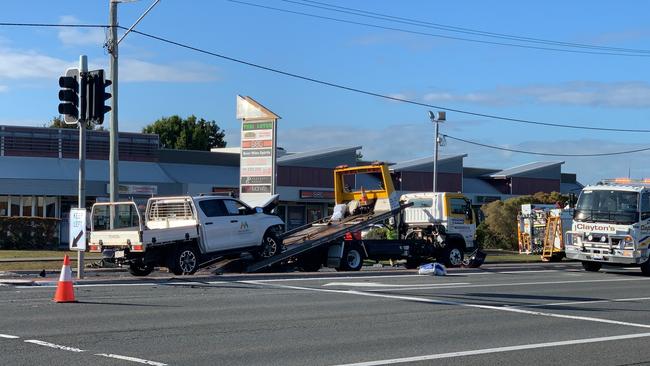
(433, 286)
(375, 284)
(498, 350)
(457, 303)
(584, 302)
(8, 336)
(52, 345)
(132, 359)
(537, 271)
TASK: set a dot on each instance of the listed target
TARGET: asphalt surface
(538, 314)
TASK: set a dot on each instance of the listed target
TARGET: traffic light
(97, 95)
(69, 96)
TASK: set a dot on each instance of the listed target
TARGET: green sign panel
(257, 126)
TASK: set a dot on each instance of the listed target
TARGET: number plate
(119, 254)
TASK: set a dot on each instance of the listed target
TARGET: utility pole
(436, 119)
(83, 92)
(113, 158)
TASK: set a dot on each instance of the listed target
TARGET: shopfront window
(50, 206)
(296, 217)
(15, 206)
(27, 206)
(4, 206)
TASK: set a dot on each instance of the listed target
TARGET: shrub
(29, 233)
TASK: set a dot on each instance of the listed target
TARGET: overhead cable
(544, 153)
(433, 34)
(449, 28)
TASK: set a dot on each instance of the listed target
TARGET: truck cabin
(618, 202)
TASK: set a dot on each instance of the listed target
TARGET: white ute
(180, 233)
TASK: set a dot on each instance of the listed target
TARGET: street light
(436, 118)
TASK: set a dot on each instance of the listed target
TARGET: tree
(57, 122)
(187, 133)
(499, 230)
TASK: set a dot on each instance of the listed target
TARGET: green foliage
(379, 233)
(187, 133)
(499, 230)
(29, 233)
(57, 122)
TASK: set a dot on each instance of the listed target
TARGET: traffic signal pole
(114, 142)
(83, 92)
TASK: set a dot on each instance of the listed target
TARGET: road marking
(433, 286)
(188, 283)
(52, 345)
(497, 350)
(584, 302)
(462, 304)
(375, 284)
(132, 359)
(8, 336)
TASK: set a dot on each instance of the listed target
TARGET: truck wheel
(352, 259)
(645, 268)
(270, 247)
(591, 266)
(185, 262)
(453, 256)
(140, 269)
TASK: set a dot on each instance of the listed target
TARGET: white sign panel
(78, 229)
(258, 151)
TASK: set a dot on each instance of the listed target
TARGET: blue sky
(158, 79)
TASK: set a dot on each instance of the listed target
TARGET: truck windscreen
(617, 207)
(126, 217)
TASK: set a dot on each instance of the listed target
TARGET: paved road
(500, 315)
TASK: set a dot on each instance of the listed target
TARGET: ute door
(245, 232)
(215, 225)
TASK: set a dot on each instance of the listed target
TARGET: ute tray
(313, 235)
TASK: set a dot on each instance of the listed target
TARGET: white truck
(611, 225)
(180, 233)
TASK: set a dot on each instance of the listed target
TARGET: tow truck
(425, 225)
(611, 225)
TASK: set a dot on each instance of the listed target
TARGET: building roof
(426, 161)
(477, 185)
(526, 168)
(321, 153)
(224, 176)
(15, 167)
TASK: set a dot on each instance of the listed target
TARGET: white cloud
(21, 64)
(139, 71)
(625, 94)
(411, 141)
(80, 36)
(29, 64)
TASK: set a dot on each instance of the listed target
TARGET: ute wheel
(645, 268)
(140, 269)
(185, 262)
(453, 256)
(352, 259)
(271, 246)
(591, 266)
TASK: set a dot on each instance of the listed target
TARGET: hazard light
(95, 248)
(622, 180)
(137, 248)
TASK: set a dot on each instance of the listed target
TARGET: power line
(343, 87)
(361, 91)
(375, 15)
(543, 153)
(54, 25)
(433, 34)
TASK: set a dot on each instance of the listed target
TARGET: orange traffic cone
(64, 288)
